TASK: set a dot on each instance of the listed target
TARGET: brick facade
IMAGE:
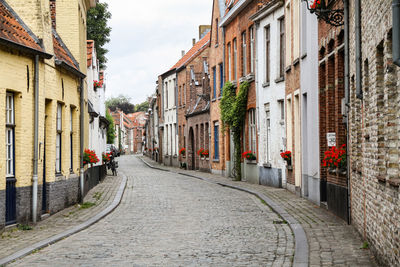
(374, 136)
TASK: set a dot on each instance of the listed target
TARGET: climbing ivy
(233, 113)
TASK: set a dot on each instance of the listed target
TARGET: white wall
(170, 145)
(269, 96)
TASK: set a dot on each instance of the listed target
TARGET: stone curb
(301, 244)
(51, 240)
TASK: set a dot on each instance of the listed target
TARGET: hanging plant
(97, 84)
(233, 113)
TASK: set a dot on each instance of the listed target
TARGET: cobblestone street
(165, 220)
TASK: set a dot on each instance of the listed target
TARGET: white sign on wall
(331, 139)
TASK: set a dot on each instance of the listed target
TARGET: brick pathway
(331, 241)
(166, 219)
(13, 239)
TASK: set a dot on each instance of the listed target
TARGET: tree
(110, 129)
(98, 30)
(142, 107)
(122, 102)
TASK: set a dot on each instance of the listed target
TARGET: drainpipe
(223, 159)
(359, 92)
(396, 32)
(82, 135)
(347, 98)
(36, 143)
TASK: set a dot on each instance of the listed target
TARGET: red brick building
(193, 104)
(239, 57)
(138, 122)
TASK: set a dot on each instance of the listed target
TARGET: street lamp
(333, 17)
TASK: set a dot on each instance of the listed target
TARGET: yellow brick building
(56, 35)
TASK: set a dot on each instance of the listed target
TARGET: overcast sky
(146, 40)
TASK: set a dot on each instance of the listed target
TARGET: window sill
(215, 160)
(304, 55)
(288, 68)
(213, 100)
(219, 98)
(280, 79)
(296, 61)
(216, 45)
(265, 84)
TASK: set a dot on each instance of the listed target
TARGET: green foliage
(98, 30)
(122, 102)
(110, 129)
(87, 205)
(142, 107)
(365, 245)
(24, 227)
(233, 113)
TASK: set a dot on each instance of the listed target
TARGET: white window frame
(268, 132)
(229, 62)
(252, 130)
(244, 53)
(58, 137)
(251, 49)
(235, 59)
(10, 136)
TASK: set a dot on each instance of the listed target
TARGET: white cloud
(147, 39)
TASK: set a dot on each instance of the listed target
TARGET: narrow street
(166, 219)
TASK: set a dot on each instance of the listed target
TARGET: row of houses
(52, 95)
(322, 106)
(129, 129)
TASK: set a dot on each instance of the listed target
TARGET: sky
(147, 39)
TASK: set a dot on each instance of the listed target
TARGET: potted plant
(249, 155)
(335, 159)
(287, 157)
(205, 153)
(200, 152)
(89, 157)
(182, 152)
(97, 84)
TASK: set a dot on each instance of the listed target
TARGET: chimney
(183, 53)
(53, 13)
(194, 41)
(203, 30)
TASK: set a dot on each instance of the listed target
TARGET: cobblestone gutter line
(74, 230)
(301, 244)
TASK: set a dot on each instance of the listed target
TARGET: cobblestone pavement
(166, 219)
(332, 242)
(102, 195)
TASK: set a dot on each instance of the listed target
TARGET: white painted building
(309, 105)
(170, 139)
(270, 88)
(96, 103)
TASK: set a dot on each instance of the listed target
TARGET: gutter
(347, 99)
(396, 32)
(36, 143)
(24, 48)
(234, 11)
(69, 68)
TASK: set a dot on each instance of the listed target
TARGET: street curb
(51, 240)
(301, 258)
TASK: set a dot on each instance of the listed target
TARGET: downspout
(359, 92)
(36, 143)
(396, 32)
(347, 99)
(82, 136)
(223, 167)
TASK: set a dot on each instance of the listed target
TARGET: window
(244, 55)
(214, 69)
(281, 46)
(267, 53)
(252, 130)
(282, 109)
(235, 59)
(166, 95)
(216, 140)
(252, 49)
(216, 31)
(10, 141)
(268, 135)
(221, 78)
(229, 62)
(174, 91)
(71, 141)
(58, 138)
(184, 94)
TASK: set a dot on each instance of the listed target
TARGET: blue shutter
(216, 142)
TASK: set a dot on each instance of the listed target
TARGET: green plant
(110, 128)
(24, 227)
(233, 113)
(87, 205)
(97, 195)
(365, 245)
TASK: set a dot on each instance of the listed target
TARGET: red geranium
(248, 155)
(97, 84)
(89, 156)
(335, 157)
(316, 4)
(200, 151)
(287, 156)
(106, 157)
(182, 151)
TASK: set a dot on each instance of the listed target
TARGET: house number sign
(331, 139)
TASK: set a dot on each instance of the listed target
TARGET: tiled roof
(62, 53)
(193, 51)
(13, 29)
(90, 46)
(137, 118)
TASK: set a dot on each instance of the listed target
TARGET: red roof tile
(90, 46)
(61, 52)
(13, 29)
(193, 51)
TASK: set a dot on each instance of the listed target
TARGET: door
(44, 191)
(192, 149)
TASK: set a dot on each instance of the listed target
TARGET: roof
(62, 53)
(101, 77)
(90, 48)
(137, 118)
(193, 51)
(14, 30)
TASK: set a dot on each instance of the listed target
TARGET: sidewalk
(331, 241)
(96, 201)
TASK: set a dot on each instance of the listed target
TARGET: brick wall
(374, 136)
